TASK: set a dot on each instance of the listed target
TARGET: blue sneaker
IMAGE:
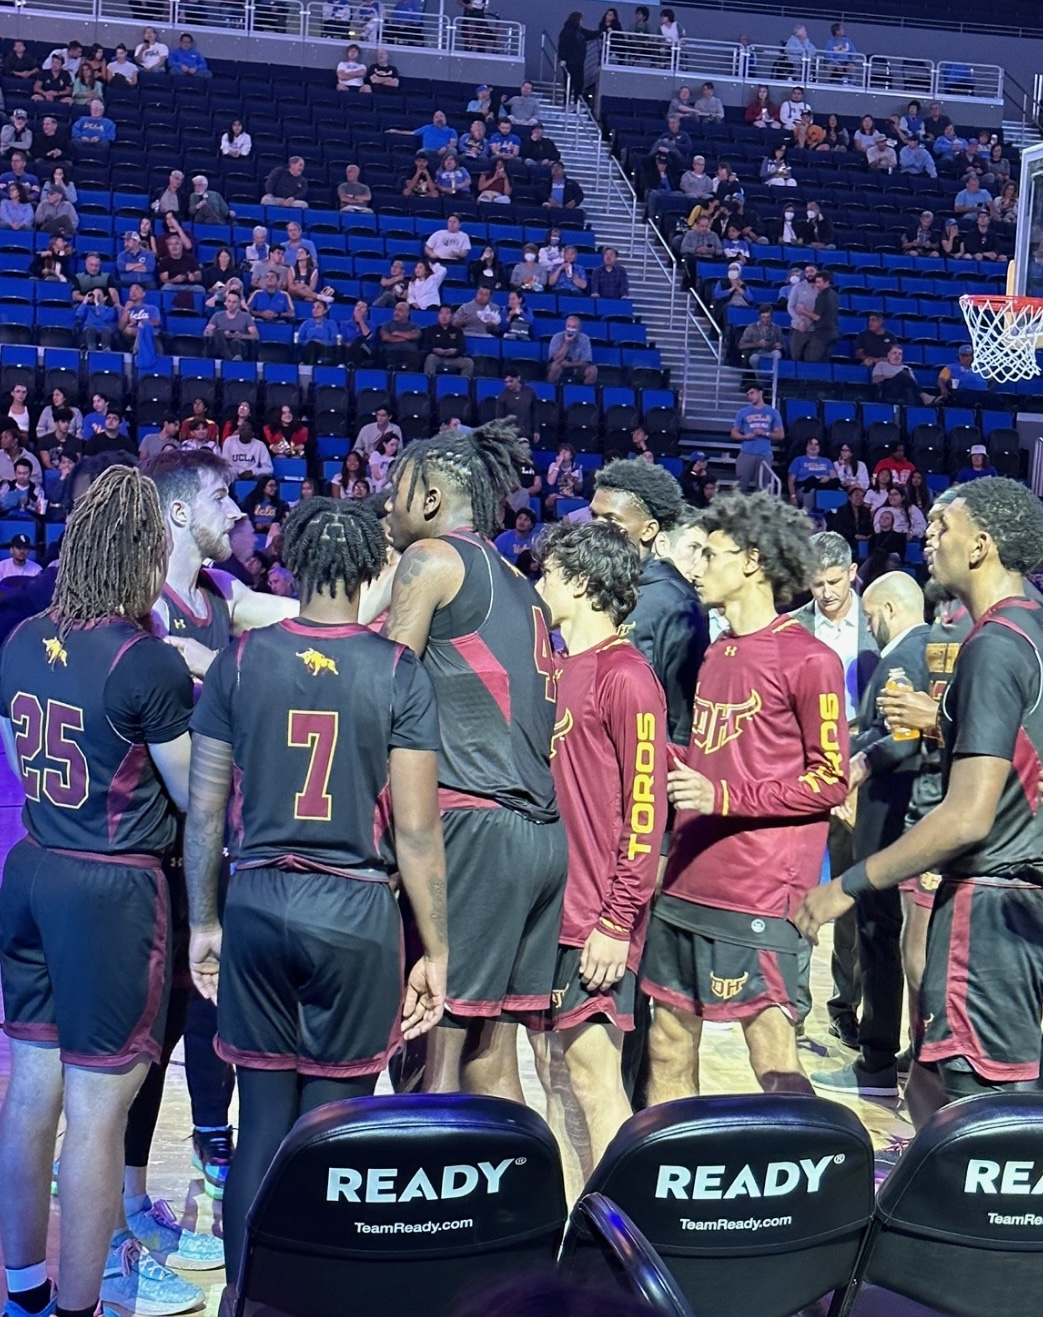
(212, 1152)
(172, 1244)
(138, 1284)
(12, 1309)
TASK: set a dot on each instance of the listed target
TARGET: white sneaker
(157, 1228)
(137, 1283)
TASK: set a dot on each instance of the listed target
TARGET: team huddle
(557, 800)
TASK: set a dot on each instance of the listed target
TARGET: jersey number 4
(543, 653)
(37, 732)
(317, 732)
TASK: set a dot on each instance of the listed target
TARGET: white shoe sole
(861, 1090)
(176, 1263)
(146, 1308)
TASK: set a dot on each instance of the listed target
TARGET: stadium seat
(956, 1222)
(388, 1198)
(694, 1175)
(628, 1260)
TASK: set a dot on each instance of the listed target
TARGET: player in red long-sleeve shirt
(766, 764)
(609, 766)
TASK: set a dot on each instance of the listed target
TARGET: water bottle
(898, 681)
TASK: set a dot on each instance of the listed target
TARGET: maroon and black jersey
(609, 765)
(949, 630)
(311, 713)
(490, 658)
(214, 628)
(84, 709)
(769, 731)
(994, 707)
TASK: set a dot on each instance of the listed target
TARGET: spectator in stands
(550, 255)
(912, 123)
(122, 68)
(851, 473)
(258, 249)
(274, 261)
(682, 104)
(529, 274)
(792, 111)
(835, 136)
(755, 426)
(974, 161)
(380, 461)
(236, 142)
(918, 492)
(53, 149)
(54, 85)
(207, 206)
(482, 103)
(762, 112)
(443, 347)
(825, 329)
(151, 54)
(570, 276)
(800, 303)
(270, 303)
(15, 210)
(564, 479)
(87, 86)
(135, 263)
(570, 356)
(451, 178)
(809, 473)
(977, 467)
(494, 184)
(370, 435)
(353, 195)
(382, 73)
(113, 437)
(399, 338)
(922, 239)
(879, 486)
(480, 317)
(473, 147)
(518, 402)
(18, 63)
(513, 543)
(761, 341)
(998, 167)
(865, 134)
(59, 404)
(951, 242)
(610, 278)
(775, 170)
(286, 185)
(950, 149)
(16, 135)
(424, 289)
(135, 313)
(518, 321)
(178, 266)
(421, 182)
(815, 230)
(786, 231)
(351, 72)
(874, 342)
(448, 244)
(709, 108)
(609, 22)
(504, 144)
(1004, 208)
(352, 469)
(92, 277)
(17, 409)
(674, 141)
(701, 243)
(523, 108)
(725, 183)
(914, 158)
(393, 285)
(895, 381)
(799, 47)
(232, 332)
(668, 28)
(730, 290)
(896, 463)
(96, 321)
(853, 520)
(302, 279)
(360, 340)
(880, 154)
(659, 173)
(436, 137)
(840, 54)
(696, 183)
(973, 198)
(906, 519)
(285, 433)
(572, 50)
(979, 243)
(94, 134)
(199, 413)
(247, 456)
(961, 375)
(317, 335)
(244, 413)
(185, 61)
(263, 505)
(488, 270)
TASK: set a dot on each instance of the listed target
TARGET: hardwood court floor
(725, 1070)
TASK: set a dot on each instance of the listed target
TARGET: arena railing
(694, 58)
(688, 314)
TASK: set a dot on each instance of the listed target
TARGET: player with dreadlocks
(94, 711)
(481, 631)
(329, 733)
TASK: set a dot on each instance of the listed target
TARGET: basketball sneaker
(856, 1081)
(134, 1281)
(156, 1226)
(212, 1154)
(12, 1309)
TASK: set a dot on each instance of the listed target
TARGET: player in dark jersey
(95, 715)
(766, 764)
(609, 765)
(481, 631)
(982, 992)
(325, 735)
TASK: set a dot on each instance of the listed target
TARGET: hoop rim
(1001, 301)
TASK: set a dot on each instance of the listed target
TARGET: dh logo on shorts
(714, 725)
(55, 651)
(726, 989)
(930, 882)
(557, 997)
(316, 662)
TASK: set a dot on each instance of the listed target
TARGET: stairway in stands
(713, 394)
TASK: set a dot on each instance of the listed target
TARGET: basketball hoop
(1004, 330)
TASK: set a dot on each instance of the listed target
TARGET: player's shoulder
(801, 647)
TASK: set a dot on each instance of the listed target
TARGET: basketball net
(1004, 330)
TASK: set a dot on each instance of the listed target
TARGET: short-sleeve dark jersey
(84, 709)
(490, 658)
(994, 707)
(948, 632)
(214, 628)
(311, 713)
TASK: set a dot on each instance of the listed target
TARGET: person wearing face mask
(815, 230)
(529, 273)
(551, 255)
(801, 305)
(785, 232)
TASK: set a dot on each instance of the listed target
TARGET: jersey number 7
(317, 732)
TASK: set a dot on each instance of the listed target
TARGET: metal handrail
(658, 248)
(617, 186)
(767, 479)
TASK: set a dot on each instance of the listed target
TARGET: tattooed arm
(421, 864)
(428, 577)
(210, 782)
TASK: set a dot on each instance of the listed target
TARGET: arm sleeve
(817, 705)
(634, 714)
(148, 694)
(414, 713)
(998, 679)
(213, 713)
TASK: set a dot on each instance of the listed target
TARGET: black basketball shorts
(571, 1004)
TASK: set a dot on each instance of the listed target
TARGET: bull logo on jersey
(56, 652)
(726, 989)
(561, 729)
(714, 725)
(316, 662)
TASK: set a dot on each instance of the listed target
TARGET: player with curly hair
(766, 764)
(982, 991)
(325, 735)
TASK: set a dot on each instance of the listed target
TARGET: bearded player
(766, 764)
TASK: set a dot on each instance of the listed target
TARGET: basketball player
(982, 991)
(766, 764)
(609, 764)
(95, 714)
(316, 726)
(481, 631)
